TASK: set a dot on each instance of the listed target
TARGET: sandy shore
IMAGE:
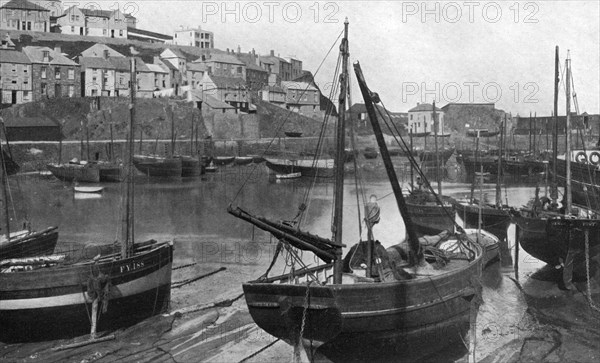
(209, 320)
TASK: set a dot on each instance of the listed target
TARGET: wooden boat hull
(190, 166)
(158, 166)
(52, 303)
(323, 168)
(223, 160)
(293, 134)
(75, 172)
(473, 165)
(34, 244)
(429, 158)
(494, 220)
(243, 160)
(345, 320)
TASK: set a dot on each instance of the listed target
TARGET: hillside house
(53, 74)
(420, 119)
(24, 15)
(15, 77)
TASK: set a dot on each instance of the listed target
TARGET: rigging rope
(254, 168)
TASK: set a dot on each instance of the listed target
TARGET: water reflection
(196, 208)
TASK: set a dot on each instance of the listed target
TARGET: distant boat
(158, 166)
(28, 243)
(223, 160)
(482, 133)
(80, 189)
(257, 159)
(293, 133)
(370, 153)
(75, 171)
(306, 167)
(288, 176)
(243, 160)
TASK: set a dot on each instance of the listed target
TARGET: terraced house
(53, 74)
(96, 22)
(24, 15)
(15, 77)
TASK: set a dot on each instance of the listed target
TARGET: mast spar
(127, 232)
(568, 127)
(554, 188)
(339, 159)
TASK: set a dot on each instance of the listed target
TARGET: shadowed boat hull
(323, 168)
(494, 220)
(51, 303)
(34, 244)
(157, 166)
(344, 320)
(190, 166)
(75, 172)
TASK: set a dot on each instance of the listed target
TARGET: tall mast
(127, 232)
(4, 177)
(437, 154)
(554, 190)
(568, 149)
(500, 156)
(416, 253)
(339, 159)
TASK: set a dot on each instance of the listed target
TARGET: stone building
(53, 74)
(302, 97)
(194, 37)
(15, 77)
(96, 22)
(420, 119)
(24, 15)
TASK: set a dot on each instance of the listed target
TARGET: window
(43, 72)
(121, 32)
(72, 29)
(71, 73)
(44, 89)
(28, 25)
(71, 90)
(25, 96)
(104, 32)
(46, 55)
(14, 81)
(218, 65)
(239, 70)
(57, 73)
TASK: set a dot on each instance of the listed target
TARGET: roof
(248, 60)
(23, 5)
(13, 56)
(276, 89)
(95, 62)
(212, 102)
(156, 68)
(32, 121)
(36, 55)
(120, 63)
(423, 107)
(298, 85)
(138, 31)
(223, 82)
(170, 65)
(176, 52)
(97, 13)
(490, 104)
(196, 67)
(273, 58)
(222, 58)
(98, 49)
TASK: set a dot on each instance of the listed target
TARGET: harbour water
(523, 317)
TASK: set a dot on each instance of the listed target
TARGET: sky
(413, 51)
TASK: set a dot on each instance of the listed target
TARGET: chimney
(253, 52)
(239, 49)
(106, 53)
(272, 53)
(227, 50)
(57, 49)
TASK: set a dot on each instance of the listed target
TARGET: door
(80, 30)
(57, 90)
(112, 33)
(13, 98)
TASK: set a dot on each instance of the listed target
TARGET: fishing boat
(26, 242)
(223, 160)
(322, 168)
(257, 159)
(430, 213)
(566, 238)
(492, 218)
(243, 160)
(191, 165)
(482, 133)
(63, 296)
(293, 133)
(429, 157)
(158, 166)
(361, 315)
(75, 171)
(288, 176)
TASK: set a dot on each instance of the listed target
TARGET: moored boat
(28, 243)
(158, 166)
(322, 168)
(243, 160)
(223, 160)
(75, 171)
(190, 166)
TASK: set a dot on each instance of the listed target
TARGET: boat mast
(416, 253)
(554, 189)
(339, 160)
(4, 187)
(500, 156)
(437, 154)
(568, 126)
(127, 233)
